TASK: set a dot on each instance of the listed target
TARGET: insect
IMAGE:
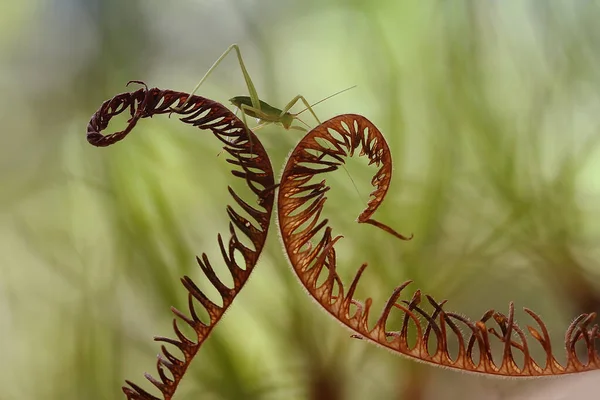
(265, 113)
(254, 107)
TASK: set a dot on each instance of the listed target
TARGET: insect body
(267, 114)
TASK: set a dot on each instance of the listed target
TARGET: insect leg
(294, 101)
(260, 126)
(298, 128)
(243, 108)
(249, 84)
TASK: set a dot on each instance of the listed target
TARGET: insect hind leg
(251, 89)
(293, 102)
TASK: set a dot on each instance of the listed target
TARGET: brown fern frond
(309, 245)
(252, 164)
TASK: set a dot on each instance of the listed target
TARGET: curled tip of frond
(252, 164)
(142, 83)
(310, 248)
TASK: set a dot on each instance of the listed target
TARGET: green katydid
(264, 112)
(256, 108)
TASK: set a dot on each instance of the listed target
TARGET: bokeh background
(492, 112)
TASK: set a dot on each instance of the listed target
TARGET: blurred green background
(492, 112)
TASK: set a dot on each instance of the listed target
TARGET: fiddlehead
(252, 164)
(309, 244)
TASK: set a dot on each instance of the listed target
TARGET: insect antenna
(326, 98)
(358, 194)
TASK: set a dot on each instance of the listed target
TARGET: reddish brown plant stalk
(252, 164)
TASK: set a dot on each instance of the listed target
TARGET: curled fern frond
(252, 164)
(309, 244)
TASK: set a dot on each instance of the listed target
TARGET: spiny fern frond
(252, 164)
(309, 244)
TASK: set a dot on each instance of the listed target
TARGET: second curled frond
(310, 246)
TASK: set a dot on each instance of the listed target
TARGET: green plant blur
(492, 112)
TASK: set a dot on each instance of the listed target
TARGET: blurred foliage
(492, 113)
